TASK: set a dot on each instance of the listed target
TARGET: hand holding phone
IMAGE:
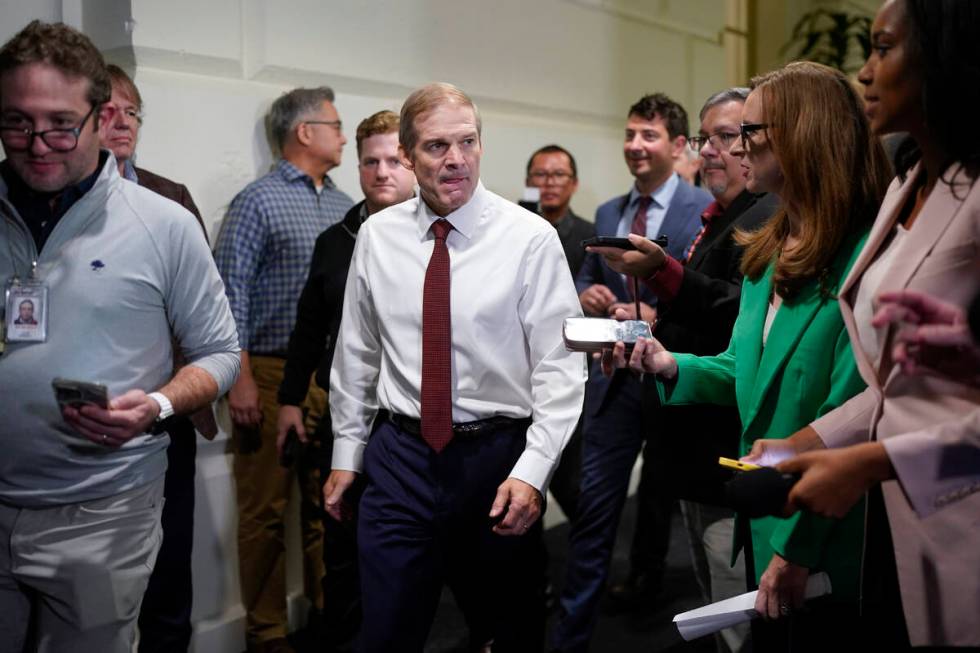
(619, 243)
(594, 334)
(69, 392)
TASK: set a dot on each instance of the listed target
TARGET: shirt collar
(129, 171)
(465, 219)
(661, 196)
(291, 173)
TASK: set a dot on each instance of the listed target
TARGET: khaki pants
(78, 571)
(263, 489)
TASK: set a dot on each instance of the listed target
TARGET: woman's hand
(648, 356)
(833, 480)
(932, 335)
(771, 452)
(782, 588)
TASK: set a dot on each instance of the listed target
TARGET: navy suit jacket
(681, 223)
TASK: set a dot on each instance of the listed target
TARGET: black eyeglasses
(746, 129)
(542, 176)
(719, 140)
(59, 140)
(336, 124)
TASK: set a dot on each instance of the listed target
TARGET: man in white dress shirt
(451, 337)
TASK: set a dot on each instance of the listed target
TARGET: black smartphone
(292, 448)
(619, 243)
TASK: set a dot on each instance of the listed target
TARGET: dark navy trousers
(612, 439)
(424, 523)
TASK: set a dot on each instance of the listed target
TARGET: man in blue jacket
(617, 421)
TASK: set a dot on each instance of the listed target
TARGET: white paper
(712, 618)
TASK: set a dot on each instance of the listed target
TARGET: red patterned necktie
(437, 402)
(639, 225)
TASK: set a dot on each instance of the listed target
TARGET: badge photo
(27, 313)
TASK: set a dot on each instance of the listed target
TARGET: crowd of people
(814, 305)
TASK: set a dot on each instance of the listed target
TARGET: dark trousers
(341, 581)
(567, 478)
(424, 522)
(165, 616)
(654, 509)
(611, 441)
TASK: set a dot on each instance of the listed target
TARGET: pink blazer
(930, 426)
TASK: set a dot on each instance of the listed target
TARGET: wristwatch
(166, 412)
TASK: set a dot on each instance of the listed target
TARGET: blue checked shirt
(264, 250)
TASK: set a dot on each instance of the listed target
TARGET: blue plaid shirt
(264, 250)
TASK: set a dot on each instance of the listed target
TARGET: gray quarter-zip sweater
(125, 270)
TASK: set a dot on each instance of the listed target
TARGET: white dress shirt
(509, 294)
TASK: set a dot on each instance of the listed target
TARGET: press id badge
(26, 311)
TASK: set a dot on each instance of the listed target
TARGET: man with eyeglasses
(165, 616)
(114, 269)
(263, 251)
(698, 296)
(552, 170)
(385, 181)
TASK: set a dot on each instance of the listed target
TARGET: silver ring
(784, 609)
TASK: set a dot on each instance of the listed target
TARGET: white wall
(546, 71)
(542, 71)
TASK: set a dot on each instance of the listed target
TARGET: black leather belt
(475, 429)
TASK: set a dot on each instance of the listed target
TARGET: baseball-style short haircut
(125, 83)
(290, 108)
(554, 149)
(659, 105)
(382, 122)
(66, 49)
(426, 99)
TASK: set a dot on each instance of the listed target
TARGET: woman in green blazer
(805, 139)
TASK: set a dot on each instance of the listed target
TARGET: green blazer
(805, 370)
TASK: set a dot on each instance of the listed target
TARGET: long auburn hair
(835, 172)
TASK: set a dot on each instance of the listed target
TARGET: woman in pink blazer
(918, 435)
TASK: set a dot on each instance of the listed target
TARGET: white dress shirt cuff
(535, 470)
(348, 455)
